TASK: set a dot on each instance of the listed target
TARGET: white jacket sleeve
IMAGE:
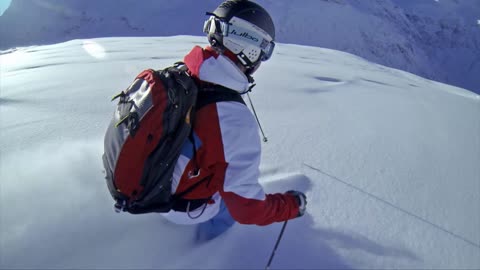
(242, 193)
(242, 150)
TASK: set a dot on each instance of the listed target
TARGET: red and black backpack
(153, 119)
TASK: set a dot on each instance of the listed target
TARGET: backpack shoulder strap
(217, 93)
(206, 95)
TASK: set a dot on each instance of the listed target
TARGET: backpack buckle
(194, 173)
(120, 206)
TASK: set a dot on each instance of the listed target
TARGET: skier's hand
(301, 201)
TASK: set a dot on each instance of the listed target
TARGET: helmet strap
(250, 67)
(215, 43)
(244, 60)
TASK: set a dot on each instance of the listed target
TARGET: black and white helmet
(244, 28)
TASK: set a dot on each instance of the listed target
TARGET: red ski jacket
(228, 153)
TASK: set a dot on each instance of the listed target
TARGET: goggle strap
(212, 14)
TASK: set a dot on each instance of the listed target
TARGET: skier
(225, 148)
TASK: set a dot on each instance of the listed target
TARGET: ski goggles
(215, 25)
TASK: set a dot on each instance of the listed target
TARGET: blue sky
(4, 5)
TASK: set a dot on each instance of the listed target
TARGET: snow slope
(439, 40)
(389, 162)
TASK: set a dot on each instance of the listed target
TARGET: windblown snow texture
(438, 40)
(388, 160)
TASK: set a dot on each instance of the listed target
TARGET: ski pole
(276, 245)
(256, 117)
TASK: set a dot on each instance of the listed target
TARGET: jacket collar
(208, 66)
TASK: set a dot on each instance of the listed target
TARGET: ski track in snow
(475, 245)
(388, 160)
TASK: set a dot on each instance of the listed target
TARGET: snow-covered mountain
(436, 39)
(388, 160)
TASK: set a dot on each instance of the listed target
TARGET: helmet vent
(253, 55)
